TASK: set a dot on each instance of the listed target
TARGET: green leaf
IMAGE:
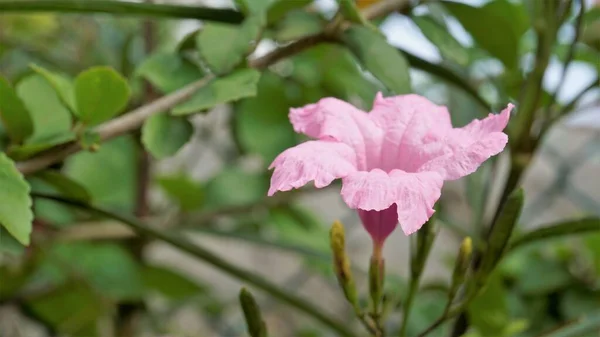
(72, 309)
(577, 302)
(189, 194)
(448, 46)
(488, 312)
(50, 117)
(108, 174)
(65, 185)
(234, 187)
(61, 84)
(501, 232)
(281, 8)
(557, 230)
(170, 283)
(9, 245)
(250, 7)
(13, 278)
(496, 27)
(15, 117)
(15, 203)
(298, 24)
(101, 93)
(168, 71)
(351, 12)
(164, 135)
(233, 87)
(225, 46)
(261, 123)
(108, 268)
(379, 58)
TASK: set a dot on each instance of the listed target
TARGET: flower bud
(254, 321)
(462, 262)
(341, 263)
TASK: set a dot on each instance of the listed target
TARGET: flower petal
(331, 118)
(321, 161)
(409, 122)
(379, 224)
(413, 193)
(463, 150)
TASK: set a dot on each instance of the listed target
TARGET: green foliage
(168, 71)
(237, 85)
(65, 185)
(261, 123)
(448, 46)
(164, 135)
(15, 203)
(224, 47)
(170, 284)
(188, 194)
(496, 27)
(378, 57)
(101, 93)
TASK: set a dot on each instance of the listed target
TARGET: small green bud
(254, 321)
(462, 262)
(341, 263)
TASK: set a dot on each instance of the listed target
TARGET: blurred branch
(214, 260)
(589, 323)
(122, 8)
(116, 127)
(570, 54)
(562, 229)
(445, 74)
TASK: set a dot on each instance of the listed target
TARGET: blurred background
(214, 188)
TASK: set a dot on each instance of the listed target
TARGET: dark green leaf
(65, 185)
(496, 27)
(168, 71)
(351, 12)
(488, 312)
(224, 46)
(101, 93)
(15, 202)
(577, 302)
(61, 84)
(13, 277)
(280, 8)
(108, 174)
(51, 119)
(15, 117)
(298, 24)
(234, 187)
(557, 230)
(164, 135)
(188, 193)
(71, 309)
(592, 243)
(379, 58)
(261, 123)
(235, 86)
(170, 283)
(543, 276)
(448, 46)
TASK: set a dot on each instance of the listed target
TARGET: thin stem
(213, 259)
(122, 8)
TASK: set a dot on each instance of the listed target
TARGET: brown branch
(135, 119)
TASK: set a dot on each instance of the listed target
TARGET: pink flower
(392, 161)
